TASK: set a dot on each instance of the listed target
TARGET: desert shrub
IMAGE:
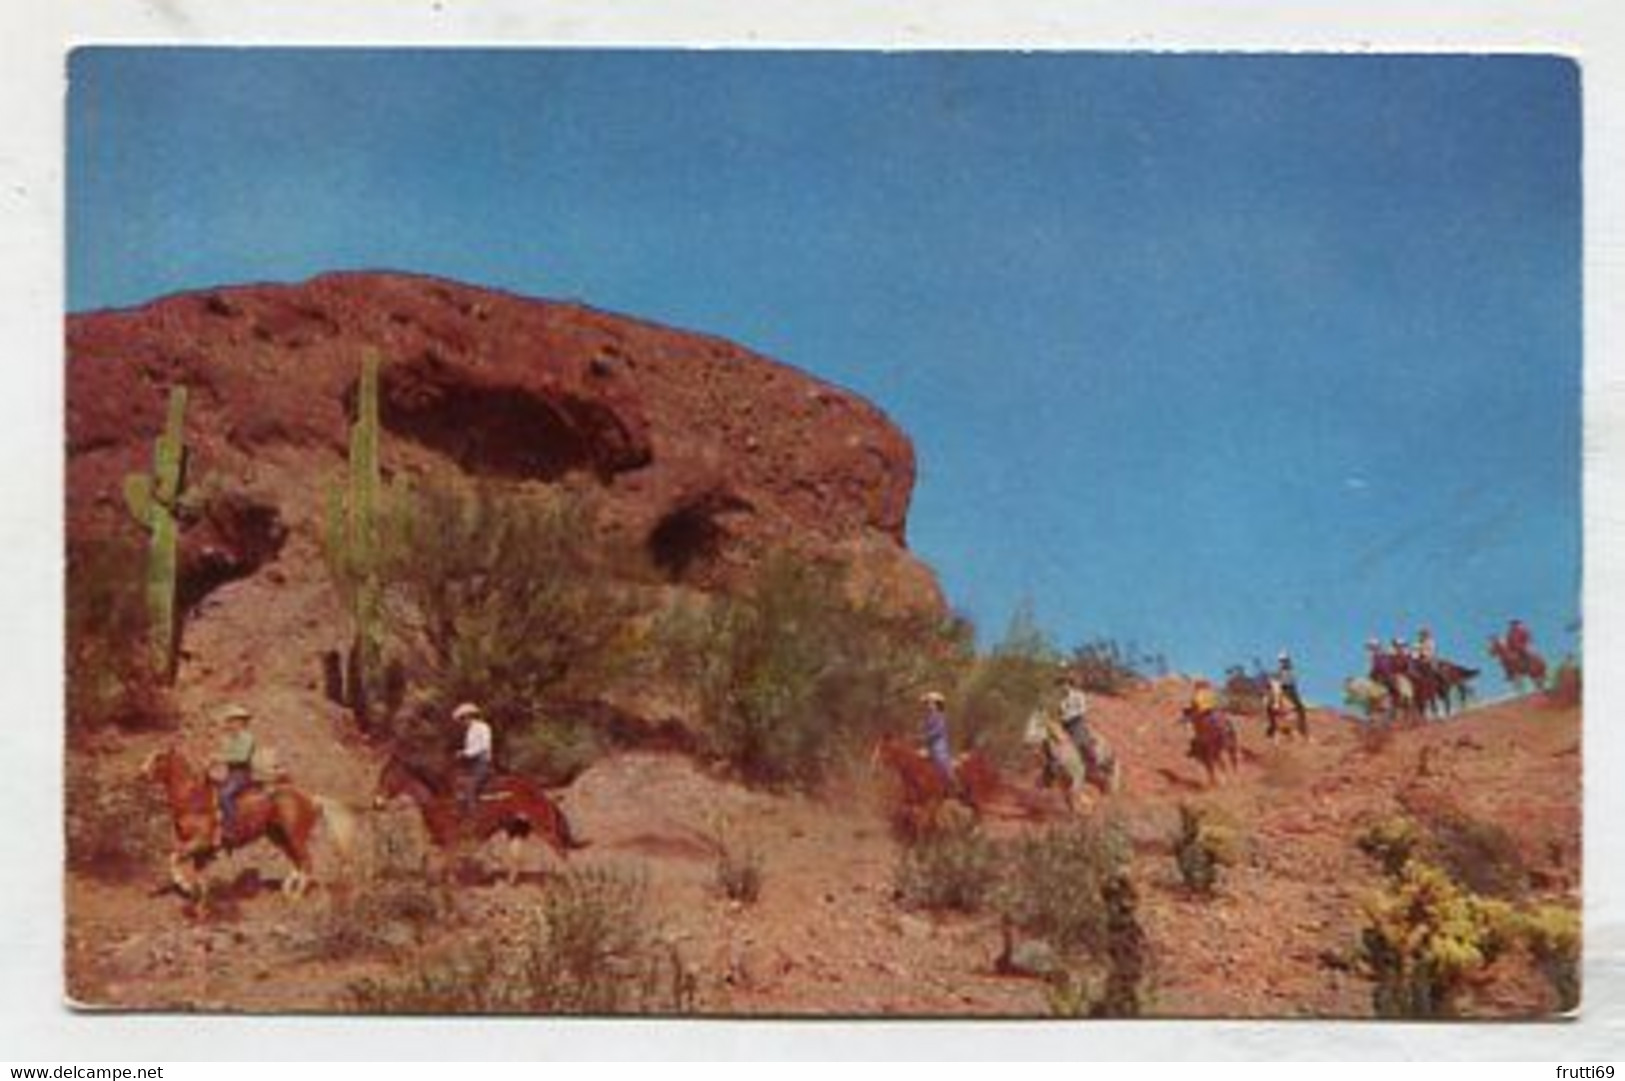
(1429, 935)
(792, 670)
(1566, 686)
(1392, 842)
(1119, 987)
(1103, 666)
(1005, 686)
(950, 869)
(1424, 938)
(514, 601)
(1552, 935)
(739, 868)
(596, 942)
(390, 898)
(1481, 855)
(1201, 847)
(469, 978)
(1243, 692)
(1127, 955)
(116, 826)
(1053, 885)
(591, 949)
(110, 677)
(555, 748)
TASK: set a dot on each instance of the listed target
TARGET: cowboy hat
(235, 712)
(465, 712)
(934, 698)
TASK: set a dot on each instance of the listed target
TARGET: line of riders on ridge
(1399, 676)
(1403, 679)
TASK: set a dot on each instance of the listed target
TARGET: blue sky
(1215, 354)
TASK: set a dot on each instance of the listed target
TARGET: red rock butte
(705, 452)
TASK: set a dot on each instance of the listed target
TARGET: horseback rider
(934, 734)
(1519, 640)
(475, 755)
(1287, 678)
(1426, 650)
(1203, 707)
(1075, 714)
(237, 755)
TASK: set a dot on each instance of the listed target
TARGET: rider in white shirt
(476, 752)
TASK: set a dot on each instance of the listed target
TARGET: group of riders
(1398, 668)
(1413, 676)
(239, 750)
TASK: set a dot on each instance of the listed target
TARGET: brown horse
(1215, 742)
(278, 813)
(511, 805)
(1519, 665)
(1441, 686)
(925, 792)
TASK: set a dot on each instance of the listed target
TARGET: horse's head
(888, 748)
(391, 783)
(162, 765)
(398, 779)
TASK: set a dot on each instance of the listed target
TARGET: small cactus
(153, 500)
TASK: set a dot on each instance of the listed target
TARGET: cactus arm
(138, 497)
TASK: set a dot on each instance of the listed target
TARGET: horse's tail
(341, 822)
(567, 833)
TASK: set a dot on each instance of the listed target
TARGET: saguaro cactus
(153, 499)
(353, 539)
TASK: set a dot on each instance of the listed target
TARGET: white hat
(465, 711)
(933, 698)
(235, 712)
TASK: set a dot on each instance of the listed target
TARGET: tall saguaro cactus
(353, 538)
(153, 499)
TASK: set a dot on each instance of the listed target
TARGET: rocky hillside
(830, 931)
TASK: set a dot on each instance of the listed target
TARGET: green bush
(1552, 936)
(792, 672)
(1425, 938)
(591, 950)
(1054, 884)
(739, 867)
(1392, 842)
(509, 600)
(553, 748)
(950, 869)
(468, 978)
(1004, 687)
(1243, 692)
(1105, 667)
(1201, 847)
(390, 898)
(1481, 855)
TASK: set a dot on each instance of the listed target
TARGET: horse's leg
(516, 844)
(187, 886)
